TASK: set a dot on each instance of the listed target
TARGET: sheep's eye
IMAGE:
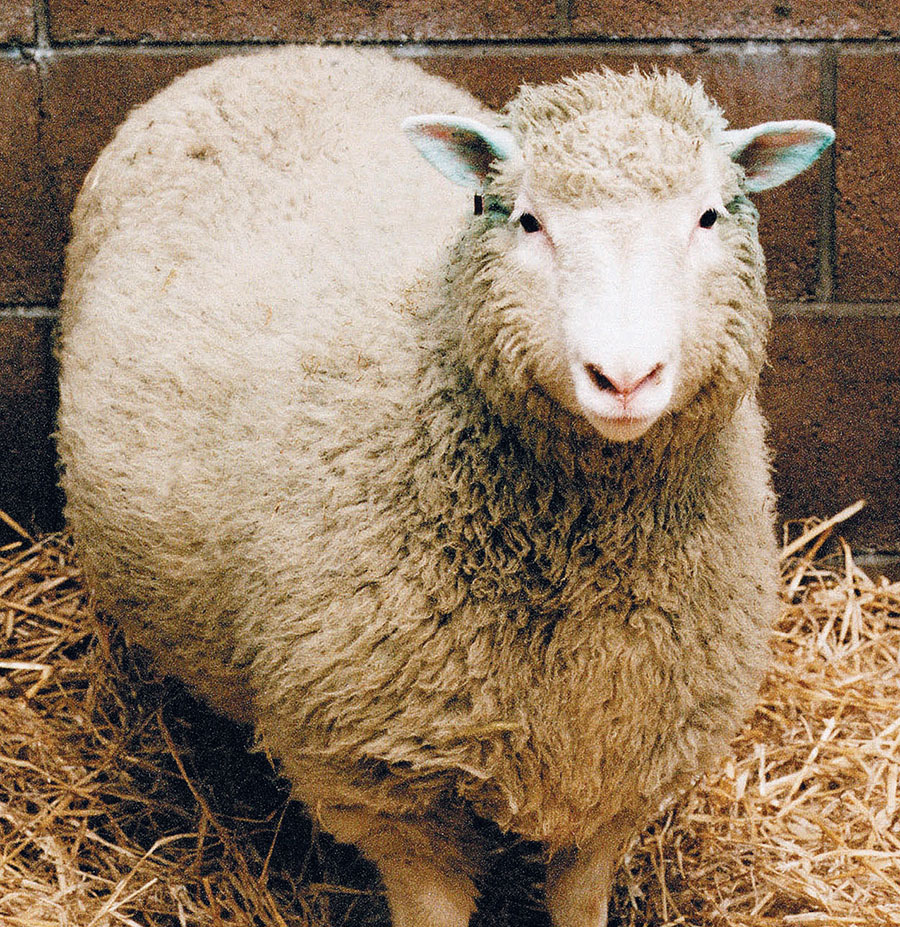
(529, 223)
(708, 219)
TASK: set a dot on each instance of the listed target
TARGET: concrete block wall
(71, 69)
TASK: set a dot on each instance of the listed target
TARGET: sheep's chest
(607, 644)
(602, 716)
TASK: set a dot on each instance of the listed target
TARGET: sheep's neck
(541, 470)
(537, 435)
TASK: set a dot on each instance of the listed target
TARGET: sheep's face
(616, 265)
(616, 290)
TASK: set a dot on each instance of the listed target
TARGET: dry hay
(124, 802)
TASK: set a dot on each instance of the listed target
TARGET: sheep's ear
(461, 149)
(774, 152)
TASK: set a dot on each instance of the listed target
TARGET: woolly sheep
(471, 519)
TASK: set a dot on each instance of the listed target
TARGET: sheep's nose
(622, 384)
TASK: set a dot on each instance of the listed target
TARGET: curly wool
(326, 488)
(603, 135)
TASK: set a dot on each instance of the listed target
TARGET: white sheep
(471, 530)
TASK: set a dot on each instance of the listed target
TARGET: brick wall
(71, 69)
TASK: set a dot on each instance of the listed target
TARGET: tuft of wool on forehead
(603, 135)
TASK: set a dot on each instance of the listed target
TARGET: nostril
(600, 380)
(623, 385)
(651, 377)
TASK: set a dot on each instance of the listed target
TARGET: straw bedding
(122, 801)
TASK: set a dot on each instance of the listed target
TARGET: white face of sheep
(623, 277)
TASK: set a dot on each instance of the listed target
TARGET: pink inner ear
(759, 150)
(441, 134)
(469, 146)
(781, 139)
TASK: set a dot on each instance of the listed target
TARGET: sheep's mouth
(618, 415)
(621, 427)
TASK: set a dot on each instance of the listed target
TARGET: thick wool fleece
(319, 476)
(606, 136)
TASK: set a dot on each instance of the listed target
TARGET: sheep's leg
(579, 882)
(428, 866)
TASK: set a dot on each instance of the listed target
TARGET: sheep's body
(289, 485)
(199, 292)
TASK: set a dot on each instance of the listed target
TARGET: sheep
(471, 518)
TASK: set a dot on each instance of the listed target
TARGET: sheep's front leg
(428, 866)
(579, 882)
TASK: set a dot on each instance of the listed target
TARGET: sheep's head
(616, 261)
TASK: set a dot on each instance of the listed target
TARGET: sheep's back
(236, 312)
